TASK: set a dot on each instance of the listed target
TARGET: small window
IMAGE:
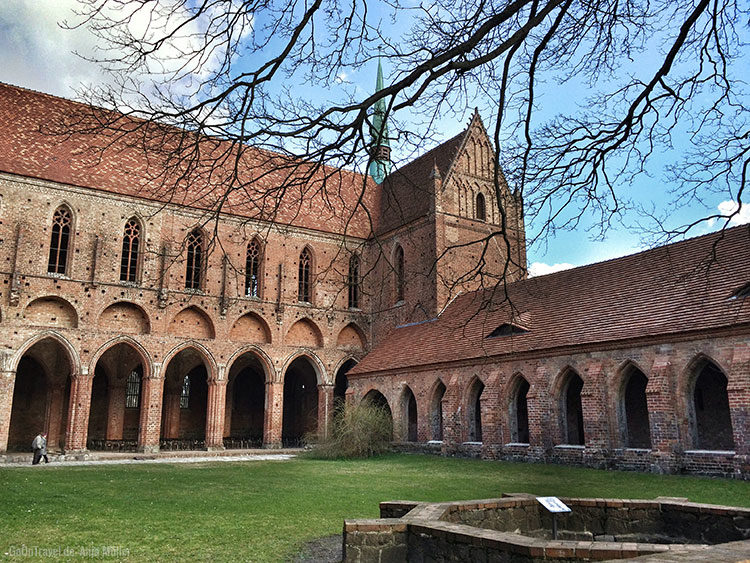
(60, 241)
(252, 270)
(194, 246)
(130, 246)
(305, 266)
(399, 266)
(481, 209)
(185, 393)
(353, 282)
(507, 329)
(133, 390)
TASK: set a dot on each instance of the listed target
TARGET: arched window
(353, 282)
(130, 245)
(399, 266)
(194, 246)
(60, 241)
(185, 393)
(252, 269)
(481, 209)
(436, 419)
(572, 411)
(133, 390)
(634, 410)
(304, 293)
(711, 418)
(519, 420)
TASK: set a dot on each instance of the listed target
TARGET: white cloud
(728, 207)
(541, 269)
(37, 53)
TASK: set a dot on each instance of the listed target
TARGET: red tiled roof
(267, 185)
(406, 192)
(29, 146)
(676, 288)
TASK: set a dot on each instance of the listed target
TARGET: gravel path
(146, 459)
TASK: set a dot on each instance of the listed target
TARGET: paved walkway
(100, 458)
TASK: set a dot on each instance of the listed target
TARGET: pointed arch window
(185, 393)
(481, 208)
(194, 268)
(131, 240)
(133, 390)
(304, 292)
(59, 245)
(252, 269)
(353, 282)
(399, 266)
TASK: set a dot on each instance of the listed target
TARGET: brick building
(131, 320)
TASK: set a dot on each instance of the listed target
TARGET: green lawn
(264, 511)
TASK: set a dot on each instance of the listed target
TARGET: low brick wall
(518, 529)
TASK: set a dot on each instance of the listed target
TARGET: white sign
(553, 504)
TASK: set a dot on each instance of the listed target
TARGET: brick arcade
(127, 324)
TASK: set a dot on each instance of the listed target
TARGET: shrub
(358, 431)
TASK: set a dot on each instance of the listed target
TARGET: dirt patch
(327, 549)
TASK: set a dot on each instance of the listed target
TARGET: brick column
(115, 411)
(274, 413)
(217, 396)
(7, 384)
(738, 390)
(452, 414)
(150, 424)
(666, 447)
(54, 415)
(544, 429)
(79, 408)
(595, 415)
(325, 409)
(492, 439)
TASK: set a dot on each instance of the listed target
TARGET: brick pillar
(217, 396)
(274, 413)
(595, 415)
(150, 424)
(666, 447)
(228, 406)
(492, 439)
(7, 384)
(452, 414)
(544, 427)
(78, 413)
(738, 390)
(54, 414)
(115, 411)
(325, 409)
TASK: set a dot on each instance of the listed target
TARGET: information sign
(553, 504)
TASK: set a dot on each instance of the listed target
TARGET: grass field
(264, 511)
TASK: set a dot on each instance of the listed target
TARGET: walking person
(39, 445)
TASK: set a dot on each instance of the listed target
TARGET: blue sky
(38, 54)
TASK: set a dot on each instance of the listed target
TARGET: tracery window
(399, 267)
(60, 241)
(185, 393)
(130, 246)
(194, 245)
(133, 390)
(305, 267)
(252, 269)
(353, 282)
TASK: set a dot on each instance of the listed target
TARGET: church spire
(380, 147)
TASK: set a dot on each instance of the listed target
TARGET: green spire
(380, 147)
